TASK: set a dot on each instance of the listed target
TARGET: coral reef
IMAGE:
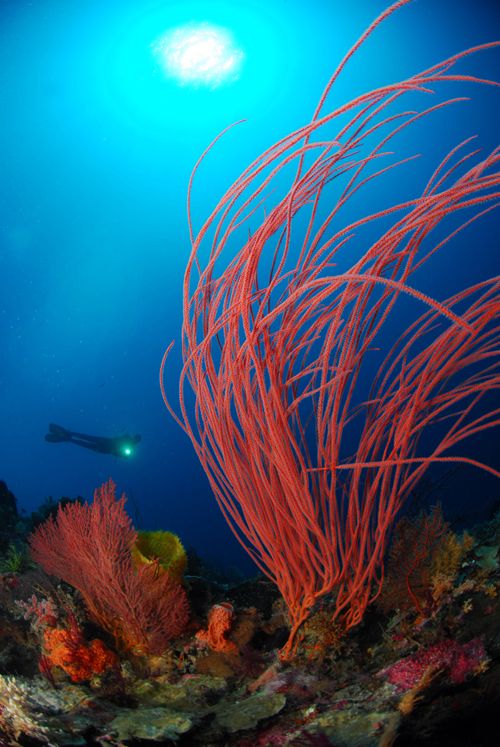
(103, 653)
(401, 678)
(90, 547)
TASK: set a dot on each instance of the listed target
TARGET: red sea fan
(89, 547)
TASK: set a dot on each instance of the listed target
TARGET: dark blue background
(96, 148)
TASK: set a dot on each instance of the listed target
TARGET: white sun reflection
(199, 54)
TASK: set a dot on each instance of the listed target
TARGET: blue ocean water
(96, 147)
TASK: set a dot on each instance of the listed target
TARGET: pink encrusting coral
(275, 335)
(457, 660)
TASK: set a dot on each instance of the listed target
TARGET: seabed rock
(246, 714)
(192, 694)
(33, 708)
(149, 723)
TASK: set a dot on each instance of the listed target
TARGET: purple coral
(458, 660)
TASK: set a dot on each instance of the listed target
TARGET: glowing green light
(127, 451)
(199, 54)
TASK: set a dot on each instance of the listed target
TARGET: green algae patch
(150, 723)
(246, 714)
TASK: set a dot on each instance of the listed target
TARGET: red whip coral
(220, 620)
(89, 546)
(275, 336)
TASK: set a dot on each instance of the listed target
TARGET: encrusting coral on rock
(226, 686)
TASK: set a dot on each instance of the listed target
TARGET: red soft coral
(220, 620)
(89, 547)
(66, 648)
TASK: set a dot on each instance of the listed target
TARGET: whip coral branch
(274, 338)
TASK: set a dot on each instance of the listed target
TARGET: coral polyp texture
(220, 621)
(456, 660)
(66, 648)
(281, 313)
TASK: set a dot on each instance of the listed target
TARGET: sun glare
(199, 54)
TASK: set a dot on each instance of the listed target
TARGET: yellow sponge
(164, 547)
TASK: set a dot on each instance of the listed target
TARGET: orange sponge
(220, 620)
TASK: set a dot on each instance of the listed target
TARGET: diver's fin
(57, 433)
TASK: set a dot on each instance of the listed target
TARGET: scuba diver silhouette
(121, 446)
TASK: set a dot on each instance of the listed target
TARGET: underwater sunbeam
(199, 54)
